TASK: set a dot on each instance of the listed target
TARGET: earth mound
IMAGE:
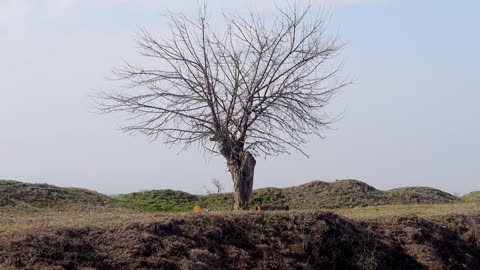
(313, 195)
(312, 240)
(24, 195)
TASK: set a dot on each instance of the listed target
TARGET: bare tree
(254, 88)
(217, 184)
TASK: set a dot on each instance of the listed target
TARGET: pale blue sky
(410, 119)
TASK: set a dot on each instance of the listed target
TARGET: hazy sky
(410, 119)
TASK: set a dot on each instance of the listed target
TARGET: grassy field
(46, 227)
(421, 210)
(380, 237)
(15, 222)
(26, 207)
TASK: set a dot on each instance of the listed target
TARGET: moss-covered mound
(422, 195)
(19, 194)
(471, 197)
(341, 193)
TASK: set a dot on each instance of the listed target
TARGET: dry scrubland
(103, 235)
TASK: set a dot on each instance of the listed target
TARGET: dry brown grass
(422, 210)
(16, 221)
(362, 238)
(48, 229)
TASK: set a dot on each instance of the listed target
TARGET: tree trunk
(242, 176)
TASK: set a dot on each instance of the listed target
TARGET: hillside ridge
(27, 195)
(346, 193)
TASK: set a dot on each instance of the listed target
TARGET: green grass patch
(158, 201)
(471, 197)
